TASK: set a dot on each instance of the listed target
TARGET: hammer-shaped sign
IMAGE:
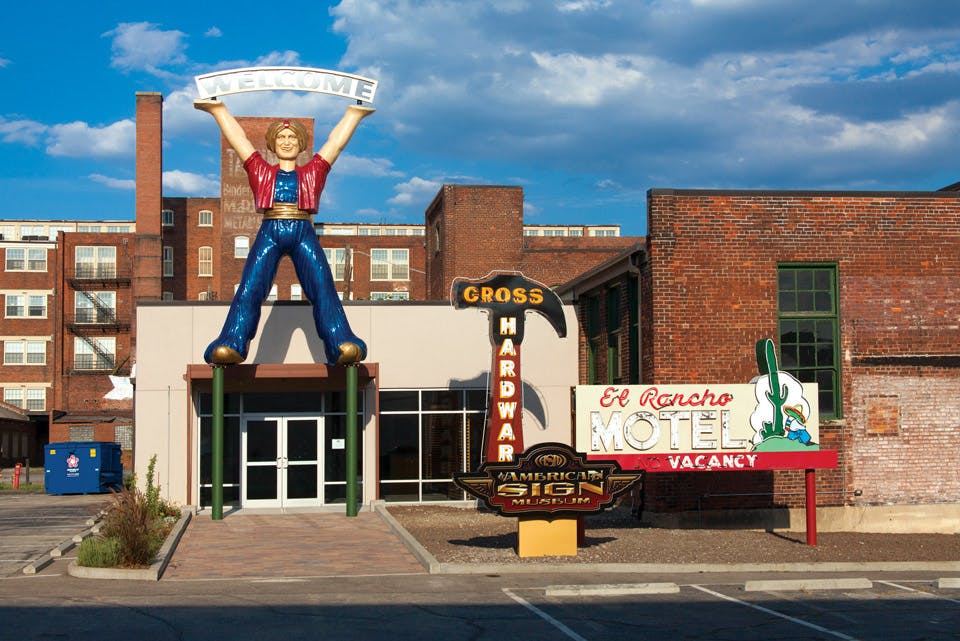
(507, 296)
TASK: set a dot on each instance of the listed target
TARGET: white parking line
(807, 624)
(926, 594)
(543, 615)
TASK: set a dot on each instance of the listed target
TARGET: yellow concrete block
(539, 536)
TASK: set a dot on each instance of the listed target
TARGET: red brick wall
(711, 293)
(481, 230)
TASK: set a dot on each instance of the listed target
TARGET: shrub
(99, 552)
(130, 522)
(138, 521)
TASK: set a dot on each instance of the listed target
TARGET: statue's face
(287, 144)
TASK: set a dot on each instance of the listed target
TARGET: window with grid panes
(809, 322)
(205, 261)
(593, 338)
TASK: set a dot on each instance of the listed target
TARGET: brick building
(859, 290)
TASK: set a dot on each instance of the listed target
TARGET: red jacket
(310, 181)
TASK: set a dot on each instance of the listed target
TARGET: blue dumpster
(82, 468)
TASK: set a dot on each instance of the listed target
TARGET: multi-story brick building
(860, 291)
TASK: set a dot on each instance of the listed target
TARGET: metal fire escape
(89, 323)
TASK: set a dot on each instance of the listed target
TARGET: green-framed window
(614, 371)
(594, 333)
(809, 323)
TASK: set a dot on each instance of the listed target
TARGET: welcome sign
(230, 81)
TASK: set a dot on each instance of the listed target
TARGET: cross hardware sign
(507, 296)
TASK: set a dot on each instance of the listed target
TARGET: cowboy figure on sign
(796, 424)
(288, 196)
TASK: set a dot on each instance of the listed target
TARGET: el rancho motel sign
(769, 424)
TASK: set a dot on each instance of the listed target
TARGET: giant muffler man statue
(288, 197)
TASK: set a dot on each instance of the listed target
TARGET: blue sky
(586, 104)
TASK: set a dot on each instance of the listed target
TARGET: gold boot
(224, 355)
(349, 353)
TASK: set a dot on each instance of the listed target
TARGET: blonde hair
(278, 126)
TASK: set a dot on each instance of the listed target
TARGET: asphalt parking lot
(883, 609)
(32, 523)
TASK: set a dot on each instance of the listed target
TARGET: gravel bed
(469, 535)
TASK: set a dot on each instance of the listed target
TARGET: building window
(15, 306)
(166, 218)
(389, 264)
(36, 399)
(118, 229)
(19, 259)
(202, 296)
(206, 261)
(37, 260)
(16, 259)
(13, 352)
(206, 218)
(96, 262)
(24, 352)
(241, 247)
(389, 295)
(32, 232)
(81, 432)
(614, 369)
(296, 292)
(425, 437)
(167, 261)
(13, 396)
(123, 434)
(436, 238)
(272, 296)
(95, 307)
(594, 334)
(94, 353)
(809, 323)
(37, 306)
(337, 258)
(26, 305)
(166, 296)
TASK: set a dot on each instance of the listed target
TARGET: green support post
(216, 498)
(351, 440)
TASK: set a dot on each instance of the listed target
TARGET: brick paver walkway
(290, 545)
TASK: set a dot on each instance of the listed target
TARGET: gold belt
(286, 211)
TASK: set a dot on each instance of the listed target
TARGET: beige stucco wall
(417, 345)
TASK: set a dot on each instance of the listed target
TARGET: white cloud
(114, 183)
(183, 183)
(78, 140)
(415, 191)
(351, 165)
(143, 46)
(26, 132)
(4, 62)
(569, 79)
(213, 32)
(583, 5)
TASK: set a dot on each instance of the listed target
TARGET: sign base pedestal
(545, 536)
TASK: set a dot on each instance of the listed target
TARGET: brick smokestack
(147, 282)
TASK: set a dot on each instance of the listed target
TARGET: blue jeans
(297, 239)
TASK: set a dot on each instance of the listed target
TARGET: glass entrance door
(281, 466)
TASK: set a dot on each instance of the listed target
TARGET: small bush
(99, 552)
(130, 522)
